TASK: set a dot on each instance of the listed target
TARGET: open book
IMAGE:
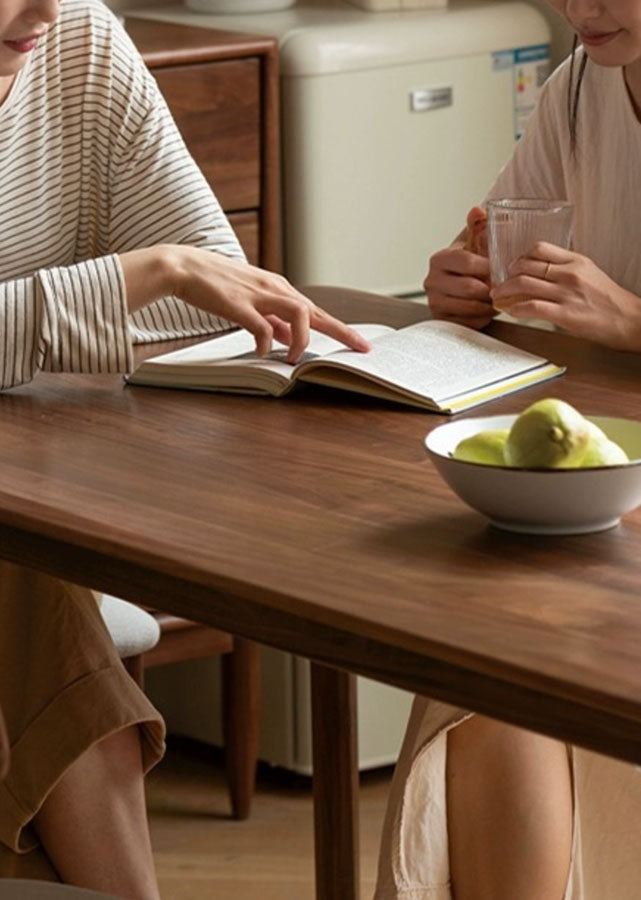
(434, 365)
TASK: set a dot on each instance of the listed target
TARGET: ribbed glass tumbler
(515, 226)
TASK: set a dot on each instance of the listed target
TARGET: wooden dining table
(316, 523)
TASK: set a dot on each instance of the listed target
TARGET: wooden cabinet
(222, 89)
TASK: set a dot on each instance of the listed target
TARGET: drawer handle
(424, 99)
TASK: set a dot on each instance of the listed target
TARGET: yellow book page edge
(483, 396)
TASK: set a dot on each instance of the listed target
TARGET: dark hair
(573, 93)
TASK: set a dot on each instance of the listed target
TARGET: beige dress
(414, 857)
(62, 689)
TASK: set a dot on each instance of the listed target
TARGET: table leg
(335, 758)
(4, 749)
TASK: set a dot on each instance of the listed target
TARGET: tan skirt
(414, 857)
(62, 689)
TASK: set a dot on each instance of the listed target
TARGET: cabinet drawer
(217, 109)
(247, 228)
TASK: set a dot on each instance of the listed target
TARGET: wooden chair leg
(241, 699)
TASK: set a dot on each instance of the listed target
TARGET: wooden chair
(146, 638)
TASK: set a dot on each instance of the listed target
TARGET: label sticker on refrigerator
(530, 67)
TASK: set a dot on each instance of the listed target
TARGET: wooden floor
(203, 854)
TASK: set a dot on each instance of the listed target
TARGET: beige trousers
(62, 689)
(414, 856)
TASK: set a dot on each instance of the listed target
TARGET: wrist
(629, 325)
(151, 273)
(623, 330)
(172, 269)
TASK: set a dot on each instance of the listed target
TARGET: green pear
(549, 434)
(486, 447)
(601, 451)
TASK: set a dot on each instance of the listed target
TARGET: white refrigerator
(393, 125)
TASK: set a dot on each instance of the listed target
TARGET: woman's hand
(263, 302)
(457, 283)
(570, 291)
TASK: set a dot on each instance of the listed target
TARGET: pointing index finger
(332, 327)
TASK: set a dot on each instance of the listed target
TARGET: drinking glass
(514, 227)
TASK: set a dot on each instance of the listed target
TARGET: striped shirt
(91, 165)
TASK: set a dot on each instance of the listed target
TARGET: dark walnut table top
(317, 524)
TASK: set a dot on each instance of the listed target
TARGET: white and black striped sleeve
(64, 319)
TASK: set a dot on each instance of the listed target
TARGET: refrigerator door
(390, 135)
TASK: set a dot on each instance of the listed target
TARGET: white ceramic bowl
(554, 501)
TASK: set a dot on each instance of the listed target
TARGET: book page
(240, 346)
(437, 359)
(228, 359)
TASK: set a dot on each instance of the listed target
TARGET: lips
(597, 39)
(25, 44)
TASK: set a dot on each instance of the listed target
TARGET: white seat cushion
(132, 630)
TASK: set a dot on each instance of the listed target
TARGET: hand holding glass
(515, 226)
